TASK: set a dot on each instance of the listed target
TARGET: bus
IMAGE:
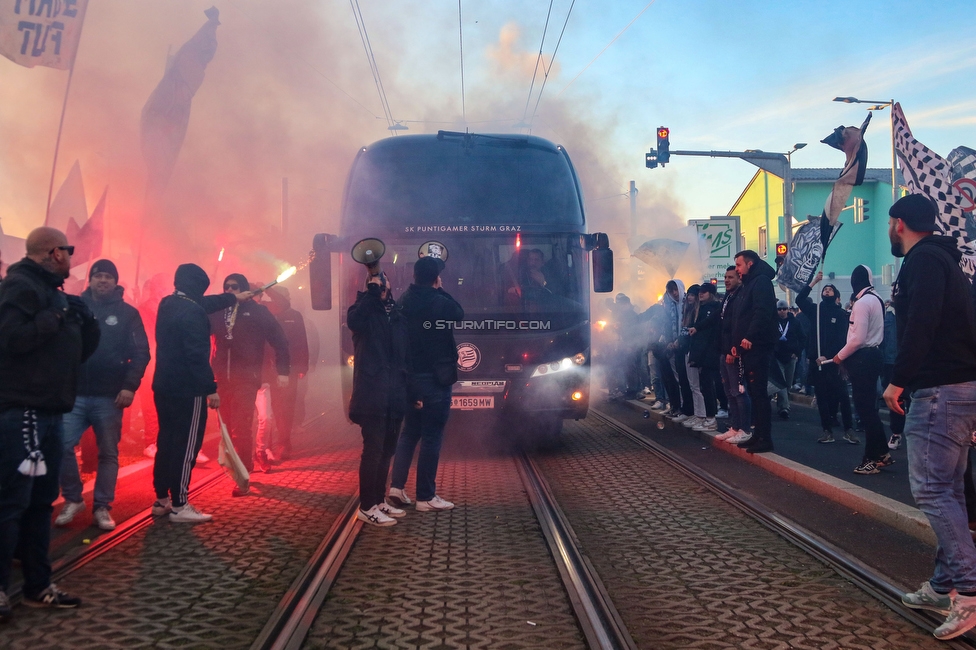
(505, 213)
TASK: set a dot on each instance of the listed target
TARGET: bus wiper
(514, 142)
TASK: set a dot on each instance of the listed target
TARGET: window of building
(763, 242)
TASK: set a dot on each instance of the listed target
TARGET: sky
(290, 94)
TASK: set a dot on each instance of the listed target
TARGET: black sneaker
(884, 461)
(867, 468)
(54, 598)
(5, 609)
(894, 442)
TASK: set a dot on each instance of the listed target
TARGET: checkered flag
(928, 173)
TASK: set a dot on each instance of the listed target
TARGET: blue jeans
(938, 432)
(425, 426)
(101, 414)
(25, 501)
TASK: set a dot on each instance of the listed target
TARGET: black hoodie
(430, 315)
(123, 351)
(936, 318)
(833, 323)
(755, 309)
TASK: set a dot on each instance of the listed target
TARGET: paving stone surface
(211, 585)
(687, 570)
(479, 576)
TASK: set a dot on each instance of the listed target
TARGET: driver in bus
(531, 281)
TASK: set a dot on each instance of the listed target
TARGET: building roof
(830, 174)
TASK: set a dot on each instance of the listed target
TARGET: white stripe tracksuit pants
(182, 421)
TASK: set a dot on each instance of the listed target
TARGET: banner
(41, 32)
(721, 237)
(662, 253)
(803, 258)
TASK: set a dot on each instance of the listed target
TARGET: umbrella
(229, 460)
(662, 253)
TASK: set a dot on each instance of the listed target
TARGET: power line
(552, 60)
(607, 46)
(535, 71)
(464, 116)
(373, 67)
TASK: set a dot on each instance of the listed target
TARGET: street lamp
(796, 147)
(880, 106)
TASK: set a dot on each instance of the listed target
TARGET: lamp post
(880, 106)
(796, 147)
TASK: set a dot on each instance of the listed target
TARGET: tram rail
(853, 570)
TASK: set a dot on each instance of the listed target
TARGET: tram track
(850, 568)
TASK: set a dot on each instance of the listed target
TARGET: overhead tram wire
(464, 115)
(535, 71)
(614, 40)
(552, 60)
(373, 67)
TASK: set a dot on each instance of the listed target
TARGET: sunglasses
(69, 249)
(231, 286)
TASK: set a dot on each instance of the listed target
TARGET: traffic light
(861, 210)
(782, 249)
(650, 159)
(663, 145)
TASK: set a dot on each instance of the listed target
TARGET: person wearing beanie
(107, 383)
(936, 364)
(862, 359)
(432, 371)
(788, 347)
(183, 386)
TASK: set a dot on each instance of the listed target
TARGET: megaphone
(369, 252)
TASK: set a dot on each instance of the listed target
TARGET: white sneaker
(708, 424)
(399, 497)
(68, 512)
(680, 417)
(434, 504)
(188, 515)
(722, 413)
(162, 507)
(150, 451)
(727, 434)
(742, 436)
(692, 422)
(202, 458)
(103, 519)
(375, 516)
(391, 511)
(961, 619)
(657, 406)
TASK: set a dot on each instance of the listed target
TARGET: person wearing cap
(861, 358)
(183, 386)
(936, 364)
(787, 350)
(107, 383)
(432, 371)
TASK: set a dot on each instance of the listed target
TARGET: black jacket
(834, 322)
(430, 315)
(123, 351)
(45, 336)
(293, 326)
(703, 352)
(935, 316)
(754, 318)
(239, 359)
(727, 321)
(794, 340)
(183, 344)
(379, 375)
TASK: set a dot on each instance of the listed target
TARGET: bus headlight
(577, 396)
(579, 359)
(560, 366)
(350, 361)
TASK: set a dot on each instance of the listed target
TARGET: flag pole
(57, 143)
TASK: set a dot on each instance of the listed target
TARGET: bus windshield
(533, 276)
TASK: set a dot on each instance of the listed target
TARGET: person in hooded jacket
(730, 365)
(754, 336)
(284, 400)
(669, 326)
(828, 385)
(107, 383)
(703, 351)
(240, 333)
(183, 386)
(937, 362)
(788, 347)
(862, 359)
(45, 336)
(432, 368)
(379, 392)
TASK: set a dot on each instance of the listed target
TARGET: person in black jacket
(240, 332)
(730, 366)
(703, 351)
(788, 347)
(284, 400)
(432, 364)
(379, 392)
(45, 336)
(107, 384)
(753, 337)
(937, 362)
(828, 385)
(183, 386)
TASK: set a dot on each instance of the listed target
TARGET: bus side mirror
(602, 270)
(320, 272)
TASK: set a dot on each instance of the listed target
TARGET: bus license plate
(469, 402)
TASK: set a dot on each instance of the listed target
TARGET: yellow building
(760, 212)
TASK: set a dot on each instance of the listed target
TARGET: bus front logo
(469, 356)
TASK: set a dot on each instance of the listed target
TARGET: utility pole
(284, 206)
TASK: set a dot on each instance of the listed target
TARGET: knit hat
(241, 281)
(782, 304)
(104, 266)
(917, 211)
(426, 270)
(191, 280)
(860, 278)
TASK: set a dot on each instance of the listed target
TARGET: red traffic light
(782, 249)
(663, 133)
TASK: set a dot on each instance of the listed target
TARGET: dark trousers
(237, 409)
(896, 420)
(831, 392)
(670, 381)
(687, 397)
(25, 501)
(426, 426)
(379, 443)
(719, 387)
(708, 378)
(864, 369)
(283, 402)
(182, 422)
(755, 368)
